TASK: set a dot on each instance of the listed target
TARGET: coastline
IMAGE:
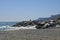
(8, 28)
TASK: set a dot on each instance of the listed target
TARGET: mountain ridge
(52, 17)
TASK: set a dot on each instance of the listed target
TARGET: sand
(31, 34)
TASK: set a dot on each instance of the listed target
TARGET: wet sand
(31, 34)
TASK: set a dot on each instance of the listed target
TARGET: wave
(9, 28)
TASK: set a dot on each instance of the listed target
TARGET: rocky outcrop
(39, 25)
(24, 23)
(48, 24)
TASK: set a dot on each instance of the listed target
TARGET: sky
(20, 10)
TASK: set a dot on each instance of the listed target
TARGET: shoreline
(8, 28)
(31, 34)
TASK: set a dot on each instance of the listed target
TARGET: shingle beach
(31, 34)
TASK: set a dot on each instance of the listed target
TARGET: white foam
(7, 28)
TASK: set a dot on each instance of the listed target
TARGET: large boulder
(24, 23)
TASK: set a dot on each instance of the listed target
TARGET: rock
(24, 23)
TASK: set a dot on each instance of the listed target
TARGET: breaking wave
(8, 28)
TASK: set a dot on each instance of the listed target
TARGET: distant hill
(53, 17)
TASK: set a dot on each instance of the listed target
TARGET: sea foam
(8, 28)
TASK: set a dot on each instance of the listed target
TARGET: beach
(31, 34)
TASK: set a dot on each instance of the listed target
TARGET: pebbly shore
(31, 34)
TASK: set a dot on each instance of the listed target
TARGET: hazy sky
(18, 10)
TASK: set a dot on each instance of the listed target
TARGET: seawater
(7, 26)
(7, 23)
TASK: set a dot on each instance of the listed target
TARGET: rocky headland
(39, 25)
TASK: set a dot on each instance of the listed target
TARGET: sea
(7, 26)
(7, 23)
